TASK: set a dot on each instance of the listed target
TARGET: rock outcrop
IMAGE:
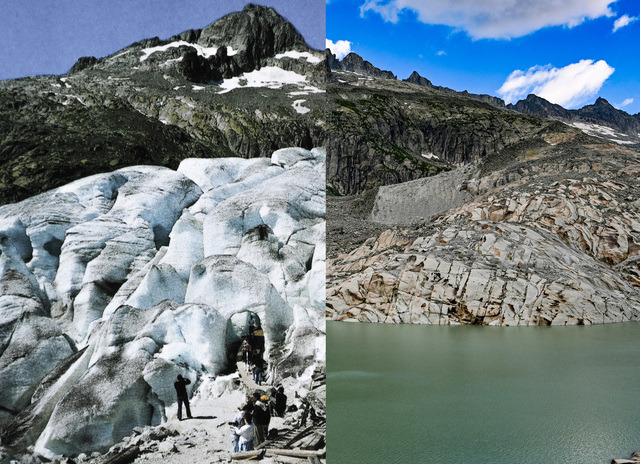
(114, 284)
(356, 64)
(416, 78)
(550, 239)
(538, 106)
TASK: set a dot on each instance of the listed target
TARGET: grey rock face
(550, 238)
(418, 200)
(509, 275)
(356, 64)
(384, 132)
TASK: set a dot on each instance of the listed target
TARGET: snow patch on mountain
(271, 77)
(297, 105)
(202, 51)
(604, 132)
(298, 55)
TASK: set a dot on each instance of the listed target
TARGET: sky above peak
(40, 37)
(569, 52)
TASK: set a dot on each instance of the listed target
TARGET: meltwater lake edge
(487, 395)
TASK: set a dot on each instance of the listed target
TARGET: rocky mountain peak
(83, 63)
(258, 30)
(416, 78)
(238, 42)
(221, 87)
(603, 112)
(538, 106)
(601, 102)
(355, 63)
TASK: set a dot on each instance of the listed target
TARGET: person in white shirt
(238, 421)
(245, 433)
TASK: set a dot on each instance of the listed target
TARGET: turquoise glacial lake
(482, 395)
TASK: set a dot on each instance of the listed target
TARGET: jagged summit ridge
(416, 78)
(356, 64)
(236, 43)
(600, 119)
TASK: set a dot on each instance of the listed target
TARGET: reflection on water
(428, 394)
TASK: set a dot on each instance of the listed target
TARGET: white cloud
(340, 49)
(493, 19)
(569, 86)
(628, 101)
(441, 52)
(623, 21)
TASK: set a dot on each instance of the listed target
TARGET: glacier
(112, 285)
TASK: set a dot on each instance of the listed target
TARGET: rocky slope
(243, 86)
(550, 236)
(114, 284)
(600, 119)
(383, 131)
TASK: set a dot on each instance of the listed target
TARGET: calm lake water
(469, 394)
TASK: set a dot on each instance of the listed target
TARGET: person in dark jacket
(261, 417)
(181, 390)
(281, 402)
(257, 371)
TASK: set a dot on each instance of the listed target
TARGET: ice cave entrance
(245, 325)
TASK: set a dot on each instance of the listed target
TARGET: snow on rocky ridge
(269, 76)
(202, 51)
(112, 285)
(605, 132)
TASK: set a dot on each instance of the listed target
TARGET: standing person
(272, 401)
(238, 422)
(246, 354)
(257, 371)
(181, 390)
(261, 417)
(252, 327)
(246, 433)
(281, 402)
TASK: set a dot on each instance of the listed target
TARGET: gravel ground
(348, 224)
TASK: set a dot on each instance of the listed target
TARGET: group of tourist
(250, 426)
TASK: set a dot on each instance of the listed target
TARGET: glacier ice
(112, 285)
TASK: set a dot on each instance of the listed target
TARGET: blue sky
(39, 37)
(568, 53)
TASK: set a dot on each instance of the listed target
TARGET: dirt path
(247, 379)
(206, 437)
